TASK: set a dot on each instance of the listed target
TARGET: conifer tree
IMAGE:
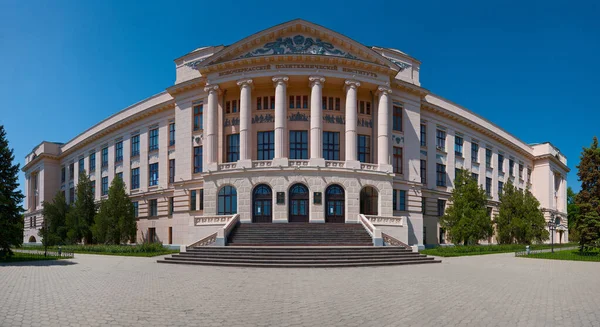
(54, 231)
(115, 222)
(519, 219)
(81, 217)
(11, 218)
(587, 222)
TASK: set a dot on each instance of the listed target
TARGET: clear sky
(530, 67)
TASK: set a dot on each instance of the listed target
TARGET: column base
(280, 162)
(352, 164)
(246, 163)
(386, 168)
(316, 162)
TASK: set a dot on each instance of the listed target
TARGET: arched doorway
(227, 201)
(368, 201)
(262, 204)
(298, 209)
(32, 239)
(334, 204)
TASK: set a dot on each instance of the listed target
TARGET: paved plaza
(491, 290)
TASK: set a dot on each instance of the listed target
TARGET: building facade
(296, 123)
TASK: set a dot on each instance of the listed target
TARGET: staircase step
(300, 265)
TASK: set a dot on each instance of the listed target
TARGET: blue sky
(531, 67)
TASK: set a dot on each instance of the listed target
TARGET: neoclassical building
(296, 123)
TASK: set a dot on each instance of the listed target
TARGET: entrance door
(298, 204)
(334, 204)
(262, 199)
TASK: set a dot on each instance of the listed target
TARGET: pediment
(300, 44)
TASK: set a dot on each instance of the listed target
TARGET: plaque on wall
(280, 197)
(318, 197)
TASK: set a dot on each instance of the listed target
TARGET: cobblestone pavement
(490, 290)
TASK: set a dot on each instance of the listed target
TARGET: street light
(552, 224)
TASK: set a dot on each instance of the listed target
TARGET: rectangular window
(153, 174)
(442, 236)
(81, 166)
(305, 102)
(197, 159)
(273, 102)
(72, 194)
(234, 106)
(440, 171)
(201, 199)
(511, 167)
(474, 152)
(298, 101)
(136, 209)
(171, 206)
(529, 175)
(198, 117)
(63, 174)
(171, 134)
(104, 185)
(402, 202)
(331, 145)
(119, 152)
(153, 208)
(423, 205)
(92, 162)
(500, 163)
(135, 145)
(104, 157)
(193, 206)
(361, 107)
(135, 178)
(423, 171)
(71, 171)
(93, 182)
(440, 140)
(258, 103)
(266, 145)
(520, 171)
(500, 187)
(233, 147)
(475, 177)
(397, 119)
(397, 163)
(423, 135)
(171, 171)
(364, 148)
(330, 103)
(153, 140)
(488, 158)
(458, 146)
(266, 102)
(338, 104)
(119, 175)
(368, 108)
(441, 207)
(292, 102)
(298, 144)
(488, 186)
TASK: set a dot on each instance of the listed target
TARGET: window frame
(135, 178)
(153, 140)
(198, 158)
(119, 152)
(440, 173)
(198, 118)
(397, 111)
(440, 140)
(331, 145)
(458, 145)
(153, 180)
(135, 145)
(172, 134)
(397, 159)
(300, 146)
(363, 152)
(265, 145)
(233, 150)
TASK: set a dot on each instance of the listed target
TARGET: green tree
(572, 215)
(11, 218)
(519, 219)
(587, 222)
(81, 217)
(466, 218)
(54, 231)
(115, 222)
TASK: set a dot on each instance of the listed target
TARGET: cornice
(37, 159)
(553, 159)
(198, 82)
(410, 88)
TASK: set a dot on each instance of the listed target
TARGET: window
(456, 172)
(298, 101)
(488, 186)
(72, 194)
(231, 106)
(136, 209)
(401, 204)
(197, 159)
(227, 201)
(475, 177)
(423, 135)
(201, 199)
(135, 145)
(291, 102)
(500, 163)
(331, 103)
(500, 186)
(81, 166)
(104, 185)
(395, 200)
(193, 205)
(511, 167)
(397, 163)
(440, 171)
(135, 178)
(266, 102)
(440, 140)
(331, 145)
(233, 147)
(521, 171)
(423, 205)
(171, 170)
(474, 152)
(153, 140)
(71, 171)
(298, 144)
(397, 122)
(258, 103)
(528, 175)
(364, 107)
(119, 176)
(198, 117)
(266, 145)
(442, 236)
(119, 152)
(458, 146)
(364, 148)
(171, 134)
(338, 105)
(273, 102)
(63, 174)
(105, 157)
(488, 158)
(153, 208)
(423, 171)
(93, 182)
(153, 174)
(92, 162)
(441, 207)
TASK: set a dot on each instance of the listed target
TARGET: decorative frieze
(298, 44)
(211, 220)
(298, 117)
(235, 121)
(389, 221)
(332, 119)
(265, 118)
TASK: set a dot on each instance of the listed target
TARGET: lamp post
(552, 228)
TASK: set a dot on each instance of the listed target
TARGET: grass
(465, 250)
(21, 257)
(568, 255)
(140, 250)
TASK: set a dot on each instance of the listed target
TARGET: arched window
(227, 201)
(368, 201)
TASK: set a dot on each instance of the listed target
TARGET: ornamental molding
(298, 44)
(261, 119)
(194, 64)
(245, 82)
(333, 119)
(211, 88)
(351, 84)
(298, 116)
(315, 80)
(383, 90)
(211, 220)
(235, 121)
(280, 80)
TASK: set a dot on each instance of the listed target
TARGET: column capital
(383, 90)
(280, 80)
(315, 80)
(349, 83)
(211, 87)
(244, 82)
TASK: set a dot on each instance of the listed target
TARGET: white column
(351, 120)
(280, 83)
(316, 120)
(383, 130)
(245, 123)
(210, 147)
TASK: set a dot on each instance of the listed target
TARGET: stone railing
(368, 166)
(223, 233)
(298, 163)
(371, 229)
(227, 166)
(388, 221)
(262, 163)
(334, 164)
(211, 220)
(210, 239)
(392, 241)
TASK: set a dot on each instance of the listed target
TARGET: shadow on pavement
(38, 263)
